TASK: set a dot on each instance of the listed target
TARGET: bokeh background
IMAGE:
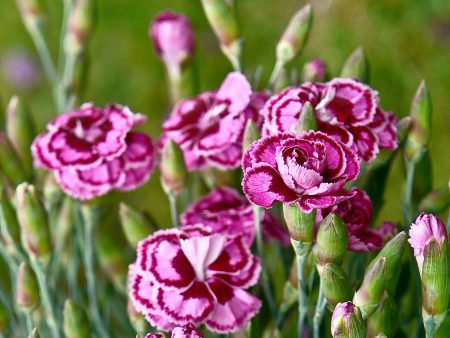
(405, 40)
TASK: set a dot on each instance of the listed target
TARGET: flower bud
(34, 333)
(347, 322)
(307, 119)
(9, 226)
(27, 290)
(4, 319)
(393, 252)
(137, 319)
(222, 18)
(33, 223)
(80, 28)
(32, 12)
(419, 135)
(368, 296)
(385, 319)
(135, 224)
(315, 71)
(436, 277)
(76, 323)
(356, 66)
(332, 241)
(10, 165)
(300, 224)
(251, 134)
(335, 284)
(174, 175)
(295, 36)
(173, 39)
(436, 201)
(403, 127)
(20, 129)
(51, 192)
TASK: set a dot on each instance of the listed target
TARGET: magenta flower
(153, 335)
(347, 321)
(427, 227)
(315, 70)
(187, 331)
(92, 151)
(310, 169)
(356, 212)
(173, 39)
(346, 109)
(188, 274)
(209, 128)
(223, 210)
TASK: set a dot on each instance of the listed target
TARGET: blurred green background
(405, 41)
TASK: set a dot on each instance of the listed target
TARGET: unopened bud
(222, 18)
(33, 223)
(34, 333)
(136, 226)
(10, 165)
(436, 277)
(314, 71)
(27, 290)
(384, 321)
(335, 284)
(66, 219)
(9, 226)
(332, 241)
(356, 66)
(112, 261)
(403, 127)
(295, 36)
(174, 175)
(307, 119)
(32, 12)
(51, 191)
(76, 323)
(251, 134)
(80, 27)
(368, 296)
(419, 135)
(20, 129)
(436, 201)
(347, 322)
(299, 223)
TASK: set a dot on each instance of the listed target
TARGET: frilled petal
(366, 241)
(247, 277)
(142, 291)
(229, 158)
(235, 90)
(384, 126)
(187, 331)
(43, 157)
(70, 182)
(365, 143)
(263, 151)
(308, 203)
(234, 258)
(264, 186)
(219, 136)
(234, 308)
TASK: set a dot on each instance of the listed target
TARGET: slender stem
(408, 197)
(45, 298)
(430, 328)
(302, 298)
(320, 311)
(90, 275)
(275, 73)
(173, 209)
(257, 214)
(28, 321)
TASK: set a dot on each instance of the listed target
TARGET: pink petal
(235, 257)
(69, 181)
(229, 158)
(367, 241)
(236, 90)
(365, 143)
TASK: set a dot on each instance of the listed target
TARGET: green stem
(45, 298)
(430, 328)
(90, 275)
(302, 298)
(173, 209)
(257, 214)
(320, 311)
(408, 197)
(275, 74)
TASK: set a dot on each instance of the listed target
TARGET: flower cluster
(223, 210)
(189, 274)
(209, 128)
(356, 212)
(310, 169)
(346, 109)
(93, 151)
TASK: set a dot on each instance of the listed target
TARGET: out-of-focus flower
(356, 212)
(188, 274)
(310, 169)
(173, 39)
(209, 128)
(346, 109)
(187, 331)
(20, 70)
(347, 321)
(153, 335)
(426, 228)
(92, 151)
(225, 211)
(315, 71)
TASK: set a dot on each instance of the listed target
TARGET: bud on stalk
(80, 28)
(174, 175)
(10, 165)
(332, 241)
(295, 36)
(356, 66)
(347, 322)
(32, 12)
(27, 290)
(251, 134)
(222, 18)
(335, 284)
(307, 120)
(9, 226)
(385, 319)
(135, 224)
(20, 129)
(33, 223)
(76, 323)
(300, 224)
(314, 71)
(368, 296)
